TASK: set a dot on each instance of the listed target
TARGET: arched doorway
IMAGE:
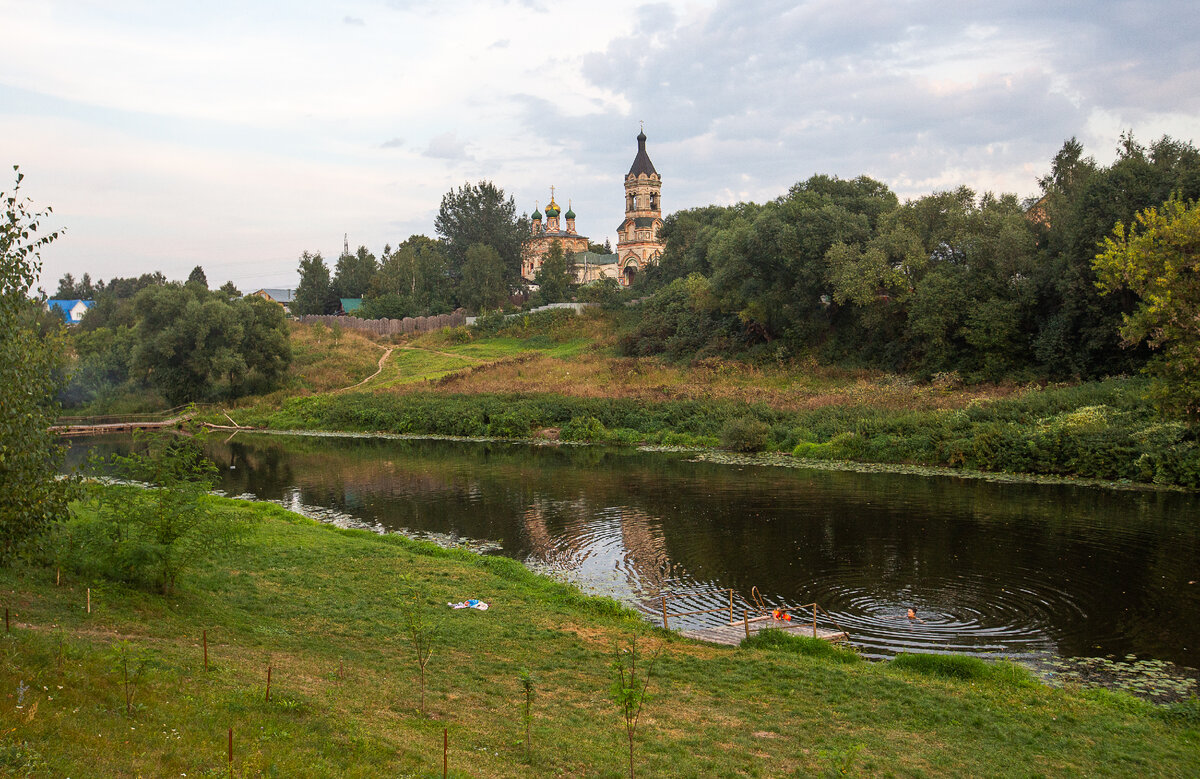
(629, 273)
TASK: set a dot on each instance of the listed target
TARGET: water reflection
(990, 568)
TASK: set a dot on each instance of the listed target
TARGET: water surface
(991, 568)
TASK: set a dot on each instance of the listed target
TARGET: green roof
(592, 258)
(643, 221)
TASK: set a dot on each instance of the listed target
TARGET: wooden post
(268, 698)
(814, 619)
(231, 752)
(445, 752)
(730, 605)
(664, 611)
(89, 589)
(58, 577)
(746, 616)
(206, 651)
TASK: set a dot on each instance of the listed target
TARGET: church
(638, 242)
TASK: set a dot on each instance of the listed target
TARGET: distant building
(638, 244)
(283, 297)
(350, 305)
(70, 310)
(543, 236)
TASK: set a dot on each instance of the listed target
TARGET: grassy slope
(307, 599)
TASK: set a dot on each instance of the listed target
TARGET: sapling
(527, 687)
(631, 682)
(422, 633)
(130, 661)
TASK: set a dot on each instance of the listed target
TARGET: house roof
(66, 308)
(351, 304)
(278, 295)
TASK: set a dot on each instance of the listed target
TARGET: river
(995, 569)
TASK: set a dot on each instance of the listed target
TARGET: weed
(630, 686)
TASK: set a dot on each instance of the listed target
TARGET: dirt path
(378, 370)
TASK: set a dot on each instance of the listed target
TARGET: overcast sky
(236, 134)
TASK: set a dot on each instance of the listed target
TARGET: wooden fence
(407, 325)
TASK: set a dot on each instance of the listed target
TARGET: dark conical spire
(642, 163)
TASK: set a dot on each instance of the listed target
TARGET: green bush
(583, 429)
(783, 641)
(744, 434)
(948, 666)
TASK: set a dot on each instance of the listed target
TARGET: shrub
(583, 429)
(782, 641)
(947, 666)
(744, 434)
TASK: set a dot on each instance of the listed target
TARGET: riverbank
(1102, 431)
(321, 607)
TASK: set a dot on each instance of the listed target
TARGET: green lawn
(322, 608)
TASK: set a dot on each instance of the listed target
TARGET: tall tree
(353, 273)
(481, 214)
(413, 280)
(315, 294)
(555, 275)
(1158, 257)
(483, 287)
(31, 496)
(197, 277)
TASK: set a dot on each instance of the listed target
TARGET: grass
(320, 607)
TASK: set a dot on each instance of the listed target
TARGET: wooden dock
(733, 634)
(734, 631)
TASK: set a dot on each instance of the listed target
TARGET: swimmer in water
(912, 615)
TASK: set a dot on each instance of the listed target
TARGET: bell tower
(638, 244)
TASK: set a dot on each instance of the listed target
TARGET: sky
(235, 135)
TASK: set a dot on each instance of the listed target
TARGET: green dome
(536, 216)
(553, 209)
(570, 214)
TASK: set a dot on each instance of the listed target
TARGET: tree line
(980, 285)
(181, 340)
(474, 263)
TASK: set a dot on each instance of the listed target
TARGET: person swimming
(912, 615)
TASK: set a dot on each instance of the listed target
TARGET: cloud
(392, 143)
(503, 43)
(447, 146)
(353, 20)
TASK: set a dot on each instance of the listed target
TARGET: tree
(353, 273)
(315, 294)
(230, 292)
(31, 495)
(151, 535)
(481, 214)
(483, 287)
(193, 345)
(630, 687)
(197, 277)
(555, 275)
(413, 280)
(1158, 258)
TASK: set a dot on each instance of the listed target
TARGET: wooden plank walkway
(732, 635)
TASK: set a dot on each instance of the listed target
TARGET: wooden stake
(231, 752)
(445, 752)
(730, 605)
(89, 600)
(814, 620)
(57, 577)
(206, 651)
(268, 698)
(664, 611)
(746, 616)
